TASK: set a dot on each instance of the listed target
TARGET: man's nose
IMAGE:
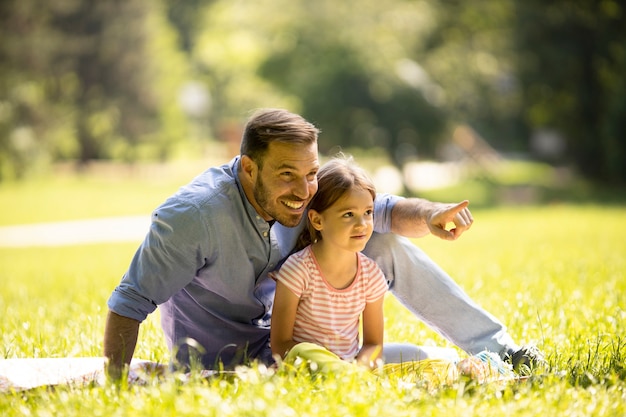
(301, 189)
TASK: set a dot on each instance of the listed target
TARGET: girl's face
(348, 224)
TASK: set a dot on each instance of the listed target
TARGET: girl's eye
(369, 212)
(348, 214)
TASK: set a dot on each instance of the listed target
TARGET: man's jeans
(429, 293)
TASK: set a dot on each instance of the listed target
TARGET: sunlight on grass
(98, 192)
(55, 301)
(554, 274)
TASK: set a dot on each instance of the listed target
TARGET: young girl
(324, 289)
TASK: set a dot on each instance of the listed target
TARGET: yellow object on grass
(320, 359)
(481, 368)
(317, 357)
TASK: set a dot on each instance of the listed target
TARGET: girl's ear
(315, 219)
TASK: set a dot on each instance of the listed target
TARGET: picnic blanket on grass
(22, 374)
(28, 373)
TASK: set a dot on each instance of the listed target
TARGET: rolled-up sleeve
(383, 206)
(166, 261)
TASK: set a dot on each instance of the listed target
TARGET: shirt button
(264, 234)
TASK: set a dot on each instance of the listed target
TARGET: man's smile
(296, 205)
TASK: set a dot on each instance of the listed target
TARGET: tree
(470, 53)
(360, 79)
(108, 52)
(86, 80)
(25, 112)
(186, 17)
(572, 65)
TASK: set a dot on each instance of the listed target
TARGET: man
(206, 258)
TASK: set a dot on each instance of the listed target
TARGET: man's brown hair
(274, 125)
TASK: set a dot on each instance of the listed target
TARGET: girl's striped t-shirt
(326, 315)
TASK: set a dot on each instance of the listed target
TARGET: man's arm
(415, 217)
(120, 338)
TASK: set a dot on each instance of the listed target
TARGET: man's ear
(249, 167)
(315, 219)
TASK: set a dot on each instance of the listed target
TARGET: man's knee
(392, 253)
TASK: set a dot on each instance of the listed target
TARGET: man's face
(287, 182)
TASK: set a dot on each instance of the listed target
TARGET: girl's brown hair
(334, 178)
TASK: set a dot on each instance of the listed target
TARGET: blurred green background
(521, 100)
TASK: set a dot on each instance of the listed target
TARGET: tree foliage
(359, 81)
(571, 63)
(78, 82)
(83, 80)
(470, 54)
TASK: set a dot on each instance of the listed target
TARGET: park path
(110, 229)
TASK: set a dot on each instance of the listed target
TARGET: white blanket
(28, 373)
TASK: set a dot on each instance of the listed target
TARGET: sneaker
(495, 362)
(485, 367)
(525, 359)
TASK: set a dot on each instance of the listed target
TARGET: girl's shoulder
(302, 260)
(367, 263)
(301, 256)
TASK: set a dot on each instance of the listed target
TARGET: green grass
(514, 183)
(554, 274)
(98, 191)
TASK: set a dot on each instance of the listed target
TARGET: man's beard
(261, 195)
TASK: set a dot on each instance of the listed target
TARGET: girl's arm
(373, 333)
(283, 319)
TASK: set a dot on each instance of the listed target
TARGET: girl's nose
(361, 222)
